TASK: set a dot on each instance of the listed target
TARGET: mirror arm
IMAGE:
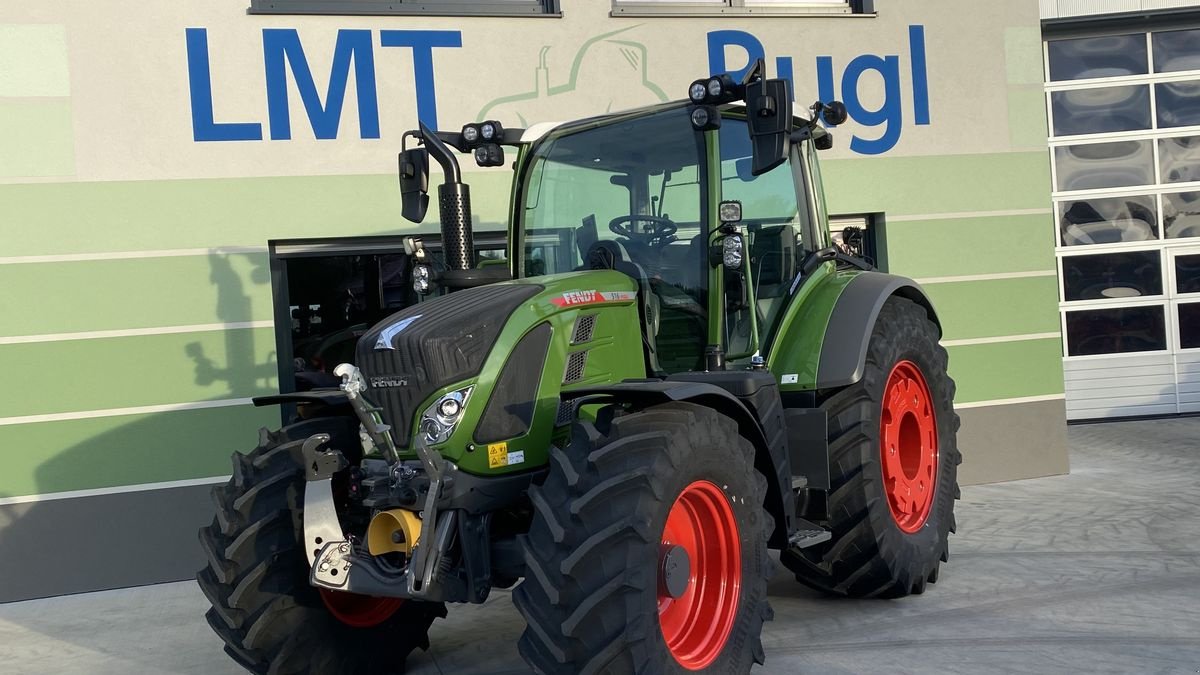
(824, 255)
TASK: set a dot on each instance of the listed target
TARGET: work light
(489, 154)
(705, 118)
(732, 251)
(422, 279)
(487, 130)
(698, 91)
(470, 134)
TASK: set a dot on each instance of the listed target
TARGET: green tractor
(672, 372)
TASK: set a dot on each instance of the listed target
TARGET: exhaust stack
(454, 205)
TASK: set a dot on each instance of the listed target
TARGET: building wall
(136, 313)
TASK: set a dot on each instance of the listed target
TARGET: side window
(772, 216)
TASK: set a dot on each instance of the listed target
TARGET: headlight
(714, 87)
(470, 133)
(488, 131)
(438, 420)
(697, 91)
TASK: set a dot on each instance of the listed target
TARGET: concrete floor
(1096, 572)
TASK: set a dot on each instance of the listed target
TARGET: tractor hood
(514, 344)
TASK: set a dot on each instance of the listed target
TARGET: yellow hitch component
(395, 531)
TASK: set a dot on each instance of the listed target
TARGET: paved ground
(1096, 572)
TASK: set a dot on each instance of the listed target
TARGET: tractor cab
(707, 204)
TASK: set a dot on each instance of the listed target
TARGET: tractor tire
(671, 486)
(893, 465)
(263, 608)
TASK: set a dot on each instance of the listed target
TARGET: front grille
(576, 364)
(565, 414)
(585, 326)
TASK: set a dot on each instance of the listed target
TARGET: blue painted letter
(200, 87)
(718, 40)
(889, 113)
(916, 50)
(281, 47)
(422, 43)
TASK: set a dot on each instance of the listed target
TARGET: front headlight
(438, 420)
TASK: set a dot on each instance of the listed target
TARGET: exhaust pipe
(454, 205)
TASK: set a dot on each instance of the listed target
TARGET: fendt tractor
(673, 371)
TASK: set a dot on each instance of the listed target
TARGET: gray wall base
(1009, 442)
(84, 544)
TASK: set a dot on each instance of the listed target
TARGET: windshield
(628, 196)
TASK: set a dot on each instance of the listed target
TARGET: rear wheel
(648, 549)
(270, 618)
(893, 466)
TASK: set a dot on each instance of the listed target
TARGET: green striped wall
(126, 450)
(74, 218)
(216, 287)
(964, 246)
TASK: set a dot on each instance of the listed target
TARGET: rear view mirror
(414, 184)
(769, 114)
(834, 113)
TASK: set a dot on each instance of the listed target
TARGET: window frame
(742, 8)
(505, 8)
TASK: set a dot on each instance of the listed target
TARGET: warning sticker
(498, 455)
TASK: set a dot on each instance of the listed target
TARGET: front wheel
(893, 465)
(648, 549)
(263, 608)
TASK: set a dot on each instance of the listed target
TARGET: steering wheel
(663, 228)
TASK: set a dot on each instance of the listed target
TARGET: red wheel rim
(359, 611)
(908, 443)
(697, 623)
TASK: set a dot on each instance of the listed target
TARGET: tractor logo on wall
(599, 59)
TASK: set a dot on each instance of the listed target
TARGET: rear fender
(844, 348)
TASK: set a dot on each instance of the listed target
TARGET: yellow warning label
(497, 455)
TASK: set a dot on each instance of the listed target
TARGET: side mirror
(834, 113)
(769, 115)
(414, 184)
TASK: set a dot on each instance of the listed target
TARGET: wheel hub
(675, 571)
(700, 573)
(359, 611)
(908, 446)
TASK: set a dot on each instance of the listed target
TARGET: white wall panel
(1054, 9)
(1120, 386)
(1188, 369)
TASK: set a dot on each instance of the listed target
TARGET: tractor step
(808, 534)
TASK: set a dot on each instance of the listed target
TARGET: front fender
(770, 461)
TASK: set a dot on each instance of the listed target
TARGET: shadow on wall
(88, 543)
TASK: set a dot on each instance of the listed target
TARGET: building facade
(163, 163)
(1123, 97)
